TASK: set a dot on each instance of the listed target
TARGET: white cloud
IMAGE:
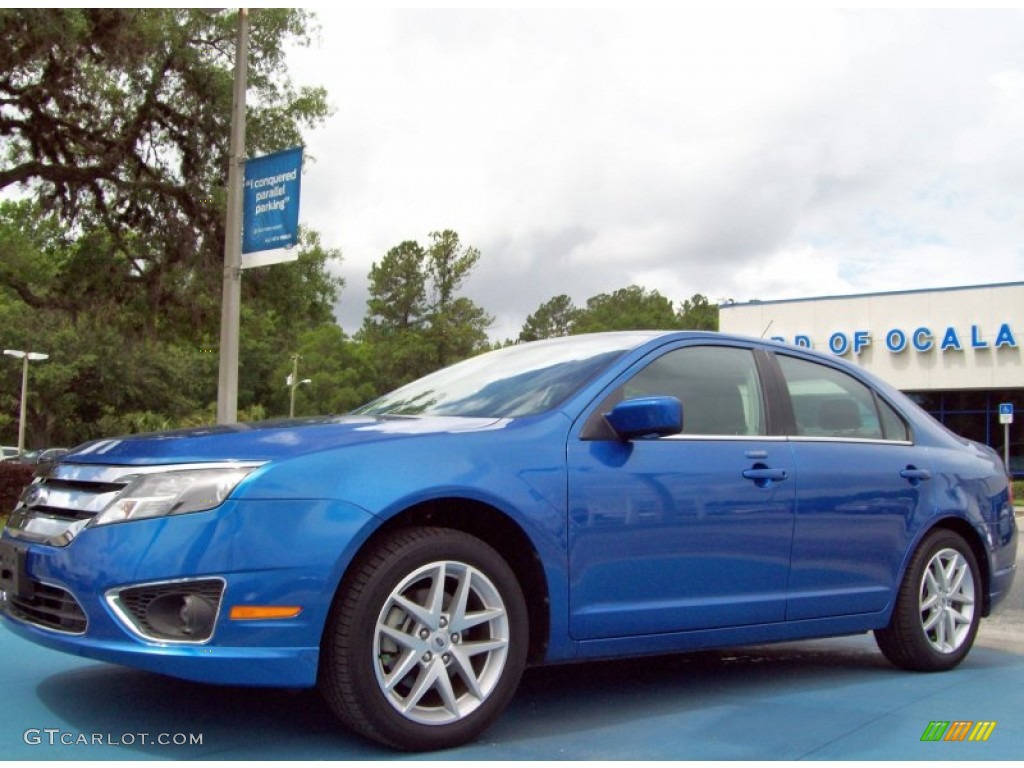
(737, 154)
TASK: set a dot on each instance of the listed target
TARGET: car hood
(264, 441)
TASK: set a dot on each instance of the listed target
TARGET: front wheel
(938, 607)
(426, 645)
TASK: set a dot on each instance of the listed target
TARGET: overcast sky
(742, 155)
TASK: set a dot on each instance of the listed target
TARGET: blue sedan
(587, 497)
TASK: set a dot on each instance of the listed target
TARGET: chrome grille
(57, 504)
(55, 507)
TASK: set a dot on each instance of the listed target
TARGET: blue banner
(270, 201)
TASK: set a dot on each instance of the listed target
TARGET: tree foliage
(340, 370)
(114, 126)
(106, 373)
(118, 120)
(115, 113)
(416, 321)
(457, 327)
(698, 314)
(555, 317)
(631, 308)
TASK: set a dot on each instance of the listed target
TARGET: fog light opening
(197, 616)
(183, 616)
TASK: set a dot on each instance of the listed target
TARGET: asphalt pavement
(835, 699)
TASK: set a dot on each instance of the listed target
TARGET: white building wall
(986, 321)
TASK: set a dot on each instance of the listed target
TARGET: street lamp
(293, 381)
(25, 356)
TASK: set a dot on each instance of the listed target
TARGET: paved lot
(831, 699)
(821, 700)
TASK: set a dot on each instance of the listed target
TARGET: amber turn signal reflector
(248, 612)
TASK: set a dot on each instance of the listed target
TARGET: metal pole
(25, 356)
(227, 382)
(295, 383)
(1006, 447)
(24, 399)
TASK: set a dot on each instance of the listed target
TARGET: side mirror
(646, 417)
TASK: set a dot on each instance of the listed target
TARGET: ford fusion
(580, 498)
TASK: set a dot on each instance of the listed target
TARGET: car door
(863, 483)
(668, 534)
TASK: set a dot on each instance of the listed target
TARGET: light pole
(227, 380)
(25, 356)
(293, 382)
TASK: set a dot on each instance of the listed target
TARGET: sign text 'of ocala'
(919, 339)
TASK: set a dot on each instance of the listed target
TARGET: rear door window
(829, 403)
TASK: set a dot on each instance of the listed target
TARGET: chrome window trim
(746, 438)
(784, 438)
(863, 440)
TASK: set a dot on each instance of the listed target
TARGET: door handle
(765, 474)
(915, 475)
(763, 477)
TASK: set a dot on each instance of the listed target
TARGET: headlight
(172, 493)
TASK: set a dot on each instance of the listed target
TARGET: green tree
(398, 291)
(279, 304)
(95, 382)
(555, 317)
(457, 326)
(106, 374)
(115, 122)
(460, 332)
(416, 320)
(396, 317)
(341, 373)
(698, 314)
(632, 308)
(118, 120)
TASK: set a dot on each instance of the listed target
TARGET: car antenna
(766, 328)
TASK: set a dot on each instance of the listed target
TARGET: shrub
(13, 478)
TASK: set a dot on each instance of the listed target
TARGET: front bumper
(267, 553)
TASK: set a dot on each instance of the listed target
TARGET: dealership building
(956, 351)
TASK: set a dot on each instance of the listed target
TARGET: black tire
(389, 643)
(935, 619)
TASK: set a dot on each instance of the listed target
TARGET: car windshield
(515, 381)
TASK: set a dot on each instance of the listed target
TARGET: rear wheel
(427, 644)
(938, 607)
